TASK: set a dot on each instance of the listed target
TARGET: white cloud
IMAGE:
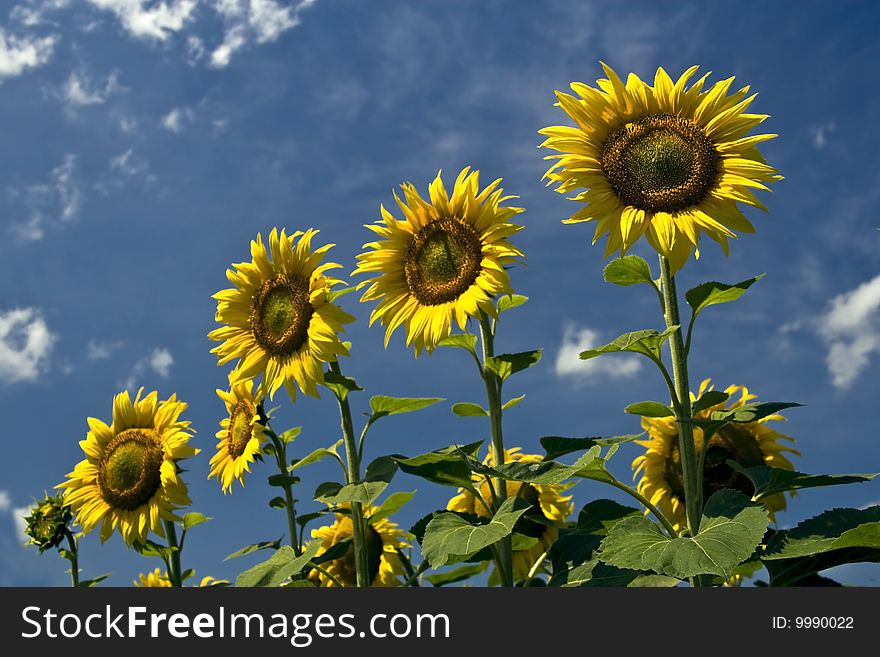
(159, 362)
(5, 501)
(18, 54)
(577, 339)
(79, 90)
(145, 19)
(30, 230)
(19, 515)
(128, 163)
(175, 120)
(851, 330)
(34, 12)
(101, 350)
(70, 195)
(25, 345)
(820, 134)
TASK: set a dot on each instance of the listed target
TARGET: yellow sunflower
(241, 435)
(383, 539)
(663, 161)
(129, 478)
(445, 260)
(156, 579)
(277, 319)
(747, 443)
(549, 509)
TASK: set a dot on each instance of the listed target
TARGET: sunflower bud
(47, 522)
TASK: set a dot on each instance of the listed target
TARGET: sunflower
(278, 319)
(129, 478)
(48, 522)
(445, 260)
(156, 579)
(663, 161)
(383, 540)
(747, 443)
(241, 434)
(549, 509)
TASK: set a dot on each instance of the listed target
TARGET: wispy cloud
(851, 330)
(5, 501)
(158, 362)
(568, 364)
(19, 53)
(820, 134)
(18, 515)
(80, 90)
(145, 19)
(25, 345)
(177, 118)
(96, 350)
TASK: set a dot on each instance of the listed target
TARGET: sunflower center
(442, 261)
(346, 570)
(129, 472)
(533, 522)
(730, 443)
(660, 163)
(281, 313)
(241, 428)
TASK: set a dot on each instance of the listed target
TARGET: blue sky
(145, 143)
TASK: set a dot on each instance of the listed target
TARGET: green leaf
(599, 516)
(711, 293)
(649, 409)
(392, 504)
(336, 551)
(753, 412)
(316, 456)
(521, 542)
(731, 528)
(512, 402)
(89, 583)
(646, 342)
(450, 535)
(709, 399)
(543, 472)
(333, 295)
(832, 530)
(461, 341)
(444, 466)
(332, 493)
(192, 519)
(280, 480)
(557, 446)
(306, 518)
(654, 582)
(456, 575)
(255, 547)
(277, 568)
(153, 549)
(381, 405)
(339, 384)
(290, 435)
(468, 409)
(510, 301)
(381, 468)
(505, 365)
(277, 502)
(768, 480)
(628, 270)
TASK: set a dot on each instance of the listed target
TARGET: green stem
(74, 558)
(533, 571)
(413, 579)
(693, 490)
(645, 503)
(353, 476)
(493, 395)
(174, 575)
(328, 574)
(281, 460)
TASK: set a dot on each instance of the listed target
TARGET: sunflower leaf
(89, 583)
(628, 270)
(193, 518)
(731, 528)
(557, 446)
(469, 409)
(340, 385)
(460, 340)
(254, 547)
(381, 468)
(392, 504)
(277, 502)
(317, 455)
(335, 551)
(711, 293)
(448, 534)
(510, 301)
(768, 480)
(456, 575)
(512, 402)
(381, 405)
(333, 493)
(505, 365)
(277, 568)
(709, 399)
(646, 342)
(832, 530)
(649, 409)
(281, 480)
(290, 435)
(443, 466)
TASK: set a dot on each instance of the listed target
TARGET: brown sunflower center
(129, 472)
(346, 570)
(731, 443)
(281, 313)
(660, 163)
(442, 261)
(241, 428)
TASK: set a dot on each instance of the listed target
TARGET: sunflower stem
(281, 460)
(645, 503)
(73, 558)
(353, 476)
(174, 574)
(693, 490)
(493, 395)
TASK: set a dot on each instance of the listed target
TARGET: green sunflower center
(240, 428)
(660, 163)
(281, 314)
(129, 472)
(730, 443)
(442, 261)
(346, 570)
